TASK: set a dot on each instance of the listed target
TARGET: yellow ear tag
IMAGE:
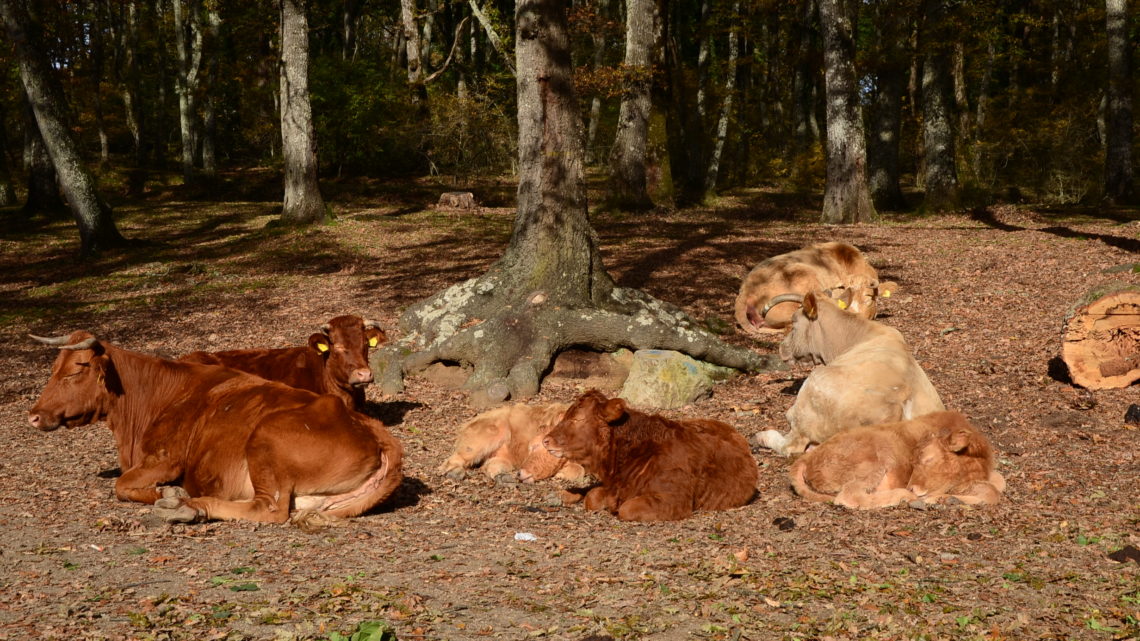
(842, 303)
(886, 293)
(322, 347)
(372, 341)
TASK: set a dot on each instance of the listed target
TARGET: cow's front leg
(140, 483)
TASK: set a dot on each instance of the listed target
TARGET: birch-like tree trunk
(415, 60)
(1119, 181)
(188, 50)
(97, 229)
(846, 197)
(628, 184)
(303, 203)
(721, 132)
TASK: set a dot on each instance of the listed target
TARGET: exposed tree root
(510, 345)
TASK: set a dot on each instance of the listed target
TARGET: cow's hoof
(174, 492)
(180, 513)
(456, 474)
(506, 478)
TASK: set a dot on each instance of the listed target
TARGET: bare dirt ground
(982, 302)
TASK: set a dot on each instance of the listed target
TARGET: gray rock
(663, 379)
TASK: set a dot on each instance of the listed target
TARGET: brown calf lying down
(929, 457)
(508, 439)
(651, 468)
(821, 267)
(335, 361)
(240, 446)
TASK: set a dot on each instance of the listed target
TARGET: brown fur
(651, 468)
(508, 439)
(333, 362)
(838, 268)
(930, 457)
(241, 447)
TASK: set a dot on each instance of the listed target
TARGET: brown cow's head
(952, 459)
(344, 343)
(585, 431)
(82, 384)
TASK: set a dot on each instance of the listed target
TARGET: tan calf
(508, 440)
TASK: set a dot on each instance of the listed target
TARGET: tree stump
(1101, 337)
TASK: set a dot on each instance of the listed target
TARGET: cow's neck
(843, 332)
(145, 386)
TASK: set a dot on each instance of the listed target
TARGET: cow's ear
(811, 306)
(319, 342)
(843, 297)
(613, 410)
(375, 336)
(886, 289)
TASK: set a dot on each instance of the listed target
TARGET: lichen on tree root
(510, 344)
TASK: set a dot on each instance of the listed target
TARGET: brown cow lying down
(834, 266)
(930, 457)
(651, 468)
(334, 362)
(508, 439)
(241, 447)
(868, 377)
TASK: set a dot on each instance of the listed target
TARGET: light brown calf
(930, 457)
(508, 439)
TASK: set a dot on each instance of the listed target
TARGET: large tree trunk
(846, 198)
(549, 291)
(97, 229)
(1119, 186)
(940, 178)
(628, 186)
(303, 203)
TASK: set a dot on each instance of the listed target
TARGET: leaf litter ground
(982, 301)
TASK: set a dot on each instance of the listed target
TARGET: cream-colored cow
(868, 376)
(506, 440)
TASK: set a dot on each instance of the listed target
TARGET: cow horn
(782, 298)
(325, 329)
(61, 342)
(371, 324)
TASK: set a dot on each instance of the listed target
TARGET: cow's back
(296, 367)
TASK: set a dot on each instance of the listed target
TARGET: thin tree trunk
(726, 105)
(493, 37)
(806, 130)
(414, 56)
(7, 189)
(188, 47)
(43, 185)
(883, 139)
(599, 40)
(941, 174)
(1119, 182)
(683, 125)
(704, 53)
(97, 229)
(303, 202)
(628, 187)
(349, 20)
(846, 197)
(213, 83)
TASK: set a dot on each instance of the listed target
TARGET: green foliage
(367, 631)
(468, 136)
(363, 118)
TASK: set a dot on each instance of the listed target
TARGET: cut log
(1101, 337)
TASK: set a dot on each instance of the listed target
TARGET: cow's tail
(801, 486)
